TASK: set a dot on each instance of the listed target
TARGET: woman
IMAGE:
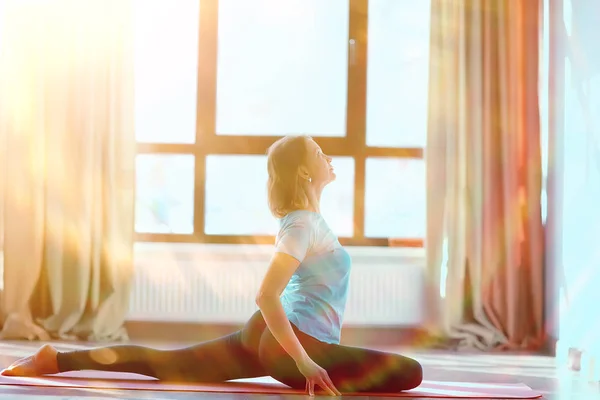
(294, 337)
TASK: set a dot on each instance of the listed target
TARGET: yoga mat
(265, 385)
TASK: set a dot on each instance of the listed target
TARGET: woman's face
(320, 170)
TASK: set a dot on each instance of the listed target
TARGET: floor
(538, 372)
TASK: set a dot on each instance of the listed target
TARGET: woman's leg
(217, 360)
(230, 357)
(351, 369)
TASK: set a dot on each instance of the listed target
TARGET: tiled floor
(539, 373)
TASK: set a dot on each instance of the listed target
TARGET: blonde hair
(285, 189)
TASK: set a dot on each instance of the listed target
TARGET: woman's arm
(292, 246)
(280, 271)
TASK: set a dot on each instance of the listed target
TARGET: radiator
(218, 284)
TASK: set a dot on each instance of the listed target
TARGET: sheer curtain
(3, 172)
(484, 224)
(66, 92)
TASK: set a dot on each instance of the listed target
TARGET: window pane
(166, 69)
(282, 67)
(236, 196)
(398, 73)
(164, 194)
(337, 201)
(395, 205)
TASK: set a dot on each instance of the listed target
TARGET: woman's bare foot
(41, 363)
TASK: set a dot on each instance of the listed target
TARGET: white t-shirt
(315, 298)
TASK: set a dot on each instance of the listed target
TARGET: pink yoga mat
(265, 385)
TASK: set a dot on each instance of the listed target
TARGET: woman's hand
(316, 375)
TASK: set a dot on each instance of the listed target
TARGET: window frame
(209, 143)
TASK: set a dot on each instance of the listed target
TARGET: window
(575, 166)
(218, 81)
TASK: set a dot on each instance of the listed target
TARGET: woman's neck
(314, 198)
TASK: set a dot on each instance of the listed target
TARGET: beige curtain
(3, 172)
(67, 124)
(484, 232)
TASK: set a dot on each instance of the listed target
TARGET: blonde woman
(294, 336)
